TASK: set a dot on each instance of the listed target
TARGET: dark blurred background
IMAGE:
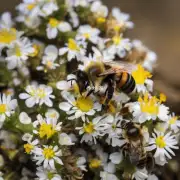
(157, 24)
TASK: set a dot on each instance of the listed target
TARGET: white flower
(46, 127)
(99, 9)
(49, 58)
(48, 155)
(55, 25)
(107, 176)
(43, 174)
(18, 53)
(86, 32)
(7, 107)
(79, 107)
(163, 144)
(148, 108)
(81, 163)
(24, 118)
(52, 114)
(37, 95)
(174, 122)
(30, 145)
(114, 131)
(65, 139)
(74, 49)
(140, 174)
(91, 130)
(120, 46)
(122, 18)
(6, 20)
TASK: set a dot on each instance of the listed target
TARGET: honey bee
(134, 149)
(106, 78)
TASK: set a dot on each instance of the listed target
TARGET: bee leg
(90, 92)
(109, 91)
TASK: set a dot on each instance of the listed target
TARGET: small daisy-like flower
(163, 144)
(86, 32)
(47, 174)
(48, 155)
(46, 128)
(52, 114)
(49, 58)
(7, 107)
(41, 94)
(100, 11)
(91, 130)
(74, 49)
(174, 122)
(122, 18)
(29, 146)
(78, 107)
(120, 46)
(8, 36)
(18, 53)
(141, 77)
(55, 25)
(148, 108)
(6, 20)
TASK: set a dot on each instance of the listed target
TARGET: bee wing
(118, 67)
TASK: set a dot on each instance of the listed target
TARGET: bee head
(133, 132)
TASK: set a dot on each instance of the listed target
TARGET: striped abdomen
(126, 83)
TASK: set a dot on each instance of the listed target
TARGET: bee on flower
(79, 107)
(148, 108)
(46, 127)
(73, 49)
(162, 143)
(38, 94)
(48, 156)
(7, 107)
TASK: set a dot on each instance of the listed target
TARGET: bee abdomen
(127, 83)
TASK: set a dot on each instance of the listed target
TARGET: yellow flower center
(116, 40)
(72, 45)
(149, 105)
(87, 35)
(173, 120)
(30, 6)
(3, 108)
(18, 51)
(95, 163)
(28, 148)
(162, 97)
(53, 22)
(36, 50)
(48, 153)
(89, 128)
(85, 104)
(160, 142)
(101, 20)
(140, 75)
(7, 35)
(114, 127)
(117, 28)
(41, 93)
(46, 130)
(49, 64)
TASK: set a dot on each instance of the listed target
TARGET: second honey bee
(106, 78)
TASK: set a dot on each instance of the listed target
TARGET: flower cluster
(77, 96)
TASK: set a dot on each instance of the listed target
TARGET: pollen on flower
(30, 6)
(86, 35)
(140, 75)
(3, 108)
(149, 105)
(49, 64)
(48, 153)
(72, 45)
(94, 163)
(117, 28)
(173, 120)
(162, 97)
(53, 22)
(41, 93)
(46, 130)
(89, 128)
(116, 40)
(101, 20)
(28, 148)
(85, 104)
(160, 142)
(7, 35)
